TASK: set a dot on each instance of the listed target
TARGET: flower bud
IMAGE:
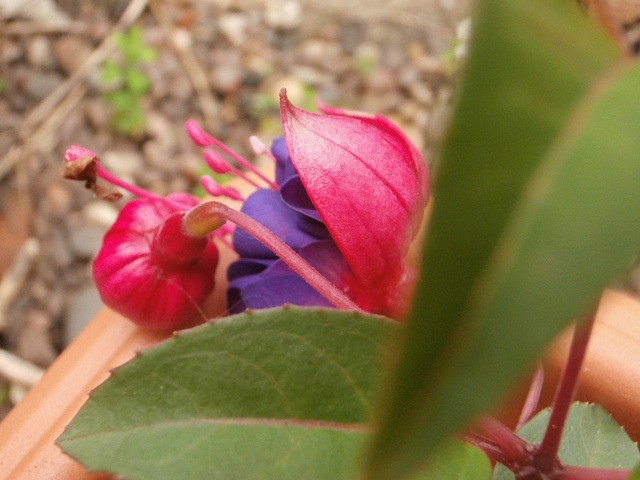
(150, 270)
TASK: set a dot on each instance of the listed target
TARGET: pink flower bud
(368, 183)
(150, 271)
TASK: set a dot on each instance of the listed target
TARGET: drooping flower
(148, 269)
(332, 229)
(352, 191)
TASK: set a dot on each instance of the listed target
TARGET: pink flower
(148, 269)
(370, 186)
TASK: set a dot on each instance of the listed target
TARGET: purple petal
(267, 207)
(296, 197)
(278, 284)
(247, 266)
(284, 166)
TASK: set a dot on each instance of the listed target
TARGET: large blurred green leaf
(536, 209)
(278, 394)
(592, 438)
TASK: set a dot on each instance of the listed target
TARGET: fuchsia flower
(349, 196)
(332, 229)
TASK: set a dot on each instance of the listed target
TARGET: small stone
(180, 88)
(122, 163)
(71, 52)
(39, 52)
(285, 14)
(85, 240)
(9, 51)
(84, 305)
(382, 80)
(422, 93)
(58, 249)
(59, 198)
(98, 113)
(40, 85)
(226, 78)
(234, 27)
(34, 341)
(100, 213)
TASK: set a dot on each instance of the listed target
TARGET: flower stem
(589, 473)
(118, 182)
(204, 218)
(547, 453)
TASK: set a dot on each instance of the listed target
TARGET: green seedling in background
(127, 82)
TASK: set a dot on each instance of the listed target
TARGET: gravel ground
(221, 62)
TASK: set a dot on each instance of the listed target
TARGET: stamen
(204, 218)
(118, 182)
(200, 137)
(220, 165)
(259, 148)
(215, 189)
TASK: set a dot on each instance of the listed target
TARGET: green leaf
(137, 81)
(456, 460)
(277, 394)
(536, 212)
(111, 72)
(591, 438)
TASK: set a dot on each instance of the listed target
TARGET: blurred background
(121, 78)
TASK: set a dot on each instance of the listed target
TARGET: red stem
(588, 473)
(202, 219)
(547, 454)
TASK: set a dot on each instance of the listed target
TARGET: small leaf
(111, 72)
(137, 81)
(279, 394)
(591, 438)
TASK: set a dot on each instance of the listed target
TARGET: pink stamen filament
(111, 178)
(199, 136)
(199, 220)
(259, 148)
(220, 165)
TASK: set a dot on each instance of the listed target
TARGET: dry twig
(26, 28)
(14, 278)
(182, 44)
(17, 370)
